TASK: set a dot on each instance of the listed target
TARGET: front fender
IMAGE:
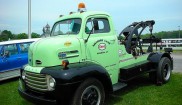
(79, 72)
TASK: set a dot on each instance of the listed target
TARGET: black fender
(156, 57)
(79, 72)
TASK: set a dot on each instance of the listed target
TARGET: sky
(14, 13)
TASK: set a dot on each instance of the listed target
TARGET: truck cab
(83, 60)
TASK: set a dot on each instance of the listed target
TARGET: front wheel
(164, 70)
(90, 92)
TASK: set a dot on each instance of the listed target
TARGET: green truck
(84, 60)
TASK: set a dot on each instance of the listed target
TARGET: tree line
(6, 35)
(165, 34)
(162, 35)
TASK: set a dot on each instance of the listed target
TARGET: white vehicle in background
(13, 55)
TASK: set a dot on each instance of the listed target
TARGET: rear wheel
(164, 71)
(90, 92)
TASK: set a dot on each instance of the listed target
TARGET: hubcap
(166, 73)
(91, 96)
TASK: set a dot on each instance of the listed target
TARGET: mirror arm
(89, 35)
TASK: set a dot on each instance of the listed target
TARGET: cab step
(118, 86)
(9, 74)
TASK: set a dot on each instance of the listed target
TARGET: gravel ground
(177, 62)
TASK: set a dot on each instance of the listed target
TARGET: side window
(11, 48)
(1, 50)
(101, 25)
(24, 47)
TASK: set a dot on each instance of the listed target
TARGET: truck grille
(36, 81)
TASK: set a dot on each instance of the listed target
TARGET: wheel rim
(166, 72)
(91, 96)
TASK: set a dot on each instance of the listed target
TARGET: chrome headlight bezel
(51, 83)
(23, 75)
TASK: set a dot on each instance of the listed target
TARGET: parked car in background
(13, 55)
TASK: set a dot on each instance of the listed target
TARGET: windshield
(65, 27)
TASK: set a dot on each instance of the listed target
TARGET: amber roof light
(81, 7)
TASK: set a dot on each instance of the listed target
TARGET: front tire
(164, 71)
(90, 92)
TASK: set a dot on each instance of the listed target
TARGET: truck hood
(51, 51)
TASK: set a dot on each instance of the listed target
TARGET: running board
(9, 74)
(118, 86)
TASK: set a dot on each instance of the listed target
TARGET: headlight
(51, 82)
(23, 75)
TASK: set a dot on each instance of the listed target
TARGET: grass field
(174, 51)
(138, 92)
(177, 51)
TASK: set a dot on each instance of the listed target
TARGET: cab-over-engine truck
(83, 60)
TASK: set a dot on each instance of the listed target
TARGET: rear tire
(90, 92)
(163, 71)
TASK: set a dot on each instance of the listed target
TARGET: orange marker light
(81, 7)
(65, 64)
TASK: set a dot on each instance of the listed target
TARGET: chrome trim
(36, 81)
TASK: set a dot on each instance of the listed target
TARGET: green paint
(101, 48)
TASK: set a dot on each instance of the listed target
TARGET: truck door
(101, 46)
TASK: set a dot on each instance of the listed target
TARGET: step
(118, 86)
(9, 74)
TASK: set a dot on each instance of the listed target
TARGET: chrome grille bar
(36, 81)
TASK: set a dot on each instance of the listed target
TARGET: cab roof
(82, 15)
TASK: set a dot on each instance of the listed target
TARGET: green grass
(138, 92)
(177, 51)
(174, 51)
(142, 92)
(9, 93)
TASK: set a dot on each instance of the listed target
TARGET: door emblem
(102, 46)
